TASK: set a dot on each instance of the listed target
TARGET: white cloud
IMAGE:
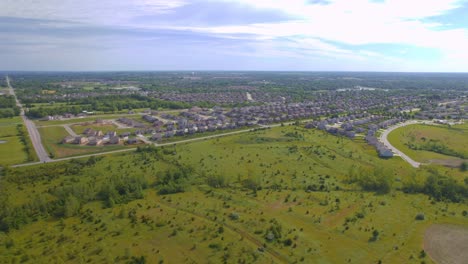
(312, 30)
(358, 22)
(99, 12)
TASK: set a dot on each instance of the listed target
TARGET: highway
(32, 130)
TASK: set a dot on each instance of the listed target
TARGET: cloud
(378, 34)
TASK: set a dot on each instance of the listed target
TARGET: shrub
(420, 217)
(288, 242)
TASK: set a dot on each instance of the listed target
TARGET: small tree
(420, 217)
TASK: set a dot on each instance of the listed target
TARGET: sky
(282, 35)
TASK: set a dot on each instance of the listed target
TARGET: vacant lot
(447, 244)
(11, 147)
(428, 143)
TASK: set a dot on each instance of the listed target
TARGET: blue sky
(315, 35)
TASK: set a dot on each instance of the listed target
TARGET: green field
(282, 195)
(53, 136)
(429, 143)
(11, 148)
(48, 105)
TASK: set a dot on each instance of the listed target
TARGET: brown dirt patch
(452, 163)
(447, 244)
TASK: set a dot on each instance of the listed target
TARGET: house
(115, 140)
(132, 141)
(111, 134)
(170, 133)
(125, 134)
(92, 133)
(80, 140)
(156, 137)
(95, 141)
(68, 140)
(385, 153)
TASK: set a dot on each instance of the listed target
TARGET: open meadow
(280, 195)
(432, 143)
(12, 149)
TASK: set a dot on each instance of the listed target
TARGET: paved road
(70, 130)
(384, 139)
(32, 130)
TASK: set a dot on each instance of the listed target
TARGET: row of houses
(92, 137)
(130, 122)
(372, 140)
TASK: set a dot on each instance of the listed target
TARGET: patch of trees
(122, 189)
(174, 181)
(24, 138)
(464, 166)
(68, 197)
(437, 147)
(374, 180)
(8, 107)
(439, 187)
(107, 104)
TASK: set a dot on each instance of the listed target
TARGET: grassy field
(447, 243)
(11, 147)
(428, 143)
(48, 105)
(281, 195)
(52, 137)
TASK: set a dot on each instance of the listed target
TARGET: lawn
(426, 143)
(279, 195)
(11, 151)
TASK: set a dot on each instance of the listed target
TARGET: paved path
(70, 130)
(32, 130)
(384, 139)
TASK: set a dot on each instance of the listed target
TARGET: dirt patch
(2, 142)
(452, 163)
(447, 244)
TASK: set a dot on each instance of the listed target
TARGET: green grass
(79, 120)
(48, 105)
(186, 227)
(10, 121)
(454, 139)
(12, 151)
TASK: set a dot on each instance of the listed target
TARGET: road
(384, 139)
(70, 130)
(32, 130)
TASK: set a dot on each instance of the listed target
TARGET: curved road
(32, 130)
(383, 138)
